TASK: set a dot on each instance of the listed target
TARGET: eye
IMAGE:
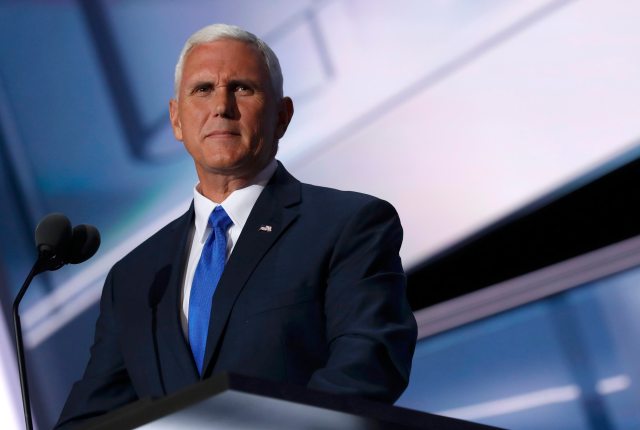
(242, 89)
(202, 89)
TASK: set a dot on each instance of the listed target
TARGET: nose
(224, 103)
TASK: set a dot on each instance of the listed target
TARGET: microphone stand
(57, 245)
(26, 404)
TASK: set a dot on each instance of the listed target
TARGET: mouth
(222, 133)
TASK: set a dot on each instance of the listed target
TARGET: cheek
(253, 128)
(195, 119)
(264, 127)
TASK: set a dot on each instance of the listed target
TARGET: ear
(285, 113)
(175, 119)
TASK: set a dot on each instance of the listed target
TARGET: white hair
(214, 32)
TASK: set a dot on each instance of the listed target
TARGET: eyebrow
(235, 81)
(199, 83)
(246, 81)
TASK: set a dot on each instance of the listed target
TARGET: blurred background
(505, 133)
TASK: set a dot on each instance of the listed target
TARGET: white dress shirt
(238, 206)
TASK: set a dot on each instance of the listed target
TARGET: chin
(228, 168)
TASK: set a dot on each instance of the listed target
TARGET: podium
(235, 402)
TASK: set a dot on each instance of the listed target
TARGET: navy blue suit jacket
(318, 301)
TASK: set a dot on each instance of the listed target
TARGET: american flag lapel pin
(266, 228)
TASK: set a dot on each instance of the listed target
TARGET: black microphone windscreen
(53, 234)
(84, 243)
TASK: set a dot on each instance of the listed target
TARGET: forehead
(226, 56)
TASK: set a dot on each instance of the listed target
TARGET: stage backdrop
(457, 112)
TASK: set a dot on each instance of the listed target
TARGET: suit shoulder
(331, 195)
(166, 238)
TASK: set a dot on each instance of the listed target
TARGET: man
(263, 276)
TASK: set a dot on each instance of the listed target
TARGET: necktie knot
(219, 220)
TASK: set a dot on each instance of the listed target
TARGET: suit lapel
(269, 219)
(174, 358)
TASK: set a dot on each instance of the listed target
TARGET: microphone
(57, 244)
(85, 241)
(53, 238)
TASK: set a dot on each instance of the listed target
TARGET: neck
(217, 186)
(218, 189)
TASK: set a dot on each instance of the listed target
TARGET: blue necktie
(204, 283)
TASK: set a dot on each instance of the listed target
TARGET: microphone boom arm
(26, 403)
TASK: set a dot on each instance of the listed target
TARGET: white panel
(10, 401)
(545, 105)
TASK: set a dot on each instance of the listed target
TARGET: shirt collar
(237, 205)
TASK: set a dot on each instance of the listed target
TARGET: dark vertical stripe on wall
(16, 199)
(6, 298)
(112, 65)
(18, 202)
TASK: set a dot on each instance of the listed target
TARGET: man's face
(227, 114)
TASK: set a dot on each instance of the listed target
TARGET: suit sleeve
(371, 329)
(105, 384)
